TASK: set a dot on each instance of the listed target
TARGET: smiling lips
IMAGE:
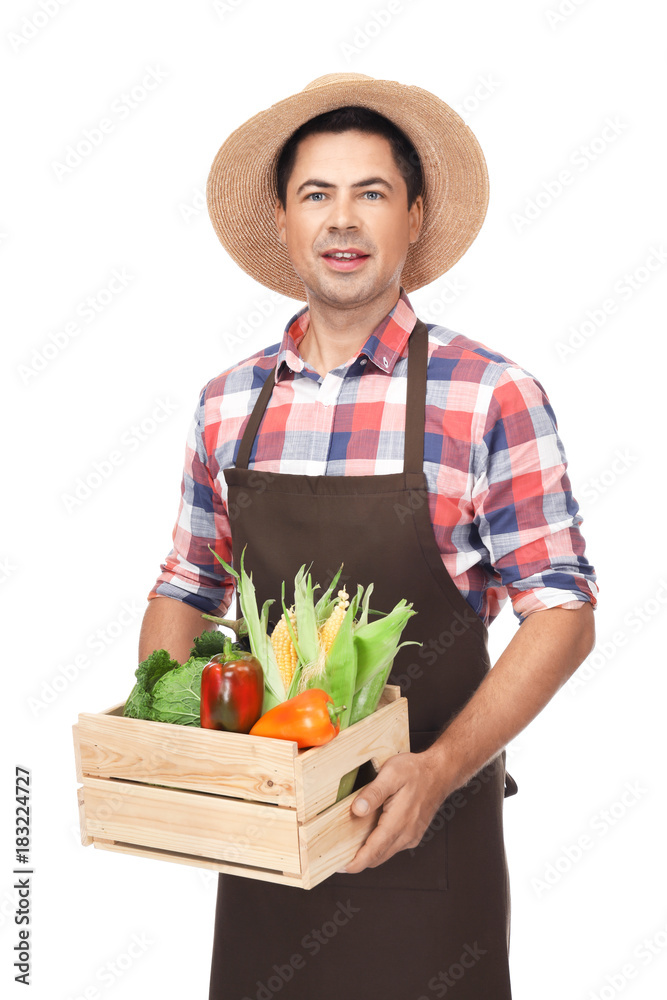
(345, 260)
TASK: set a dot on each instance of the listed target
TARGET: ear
(416, 218)
(280, 216)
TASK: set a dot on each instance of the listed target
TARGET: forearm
(172, 625)
(544, 652)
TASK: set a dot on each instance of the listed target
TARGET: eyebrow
(314, 182)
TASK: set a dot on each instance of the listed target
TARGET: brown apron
(430, 918)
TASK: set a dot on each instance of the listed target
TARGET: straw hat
(241, 186)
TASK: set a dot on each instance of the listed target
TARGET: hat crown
(328, 78)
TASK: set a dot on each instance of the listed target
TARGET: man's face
(346, 193)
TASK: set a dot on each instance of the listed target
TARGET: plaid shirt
(504, 517)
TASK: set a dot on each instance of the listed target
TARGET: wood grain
(228, 802)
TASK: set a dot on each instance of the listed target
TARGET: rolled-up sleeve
(525, 512)
(190, 573)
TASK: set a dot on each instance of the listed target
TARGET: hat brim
(241, 191)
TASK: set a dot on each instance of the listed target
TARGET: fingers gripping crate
(231, 802)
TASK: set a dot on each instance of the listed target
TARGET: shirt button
(385, 362)
(363, 361)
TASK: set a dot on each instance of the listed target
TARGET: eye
(378, 193)
(314, 194)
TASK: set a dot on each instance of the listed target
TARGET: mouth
(345, 260)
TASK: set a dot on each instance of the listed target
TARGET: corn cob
(329, 630)
(312, 671)
(283, 647)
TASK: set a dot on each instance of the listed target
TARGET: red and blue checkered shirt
(504, 517)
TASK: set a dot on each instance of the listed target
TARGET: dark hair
(359, 119)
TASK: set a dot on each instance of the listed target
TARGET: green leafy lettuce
(148, 673)
(177, 694)
(168, 691)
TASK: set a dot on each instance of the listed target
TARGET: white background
(537, 88)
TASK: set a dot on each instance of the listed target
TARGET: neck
(336, 334)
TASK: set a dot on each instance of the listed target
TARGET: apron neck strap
(415, 400)
(415, 406)
(250, 431)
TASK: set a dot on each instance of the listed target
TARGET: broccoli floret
(208, 644)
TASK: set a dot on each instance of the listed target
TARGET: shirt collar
(383, 348)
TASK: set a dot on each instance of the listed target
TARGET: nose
(343, 213)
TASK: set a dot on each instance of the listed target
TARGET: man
(427, 464)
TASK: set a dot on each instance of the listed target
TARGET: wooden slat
(192, 823)
(159, 753)
(86, 840)
(376, 738)
(116, 709)
(332, 839)
(264, 874)
(123, 762)
(391, 692)
(77, 754)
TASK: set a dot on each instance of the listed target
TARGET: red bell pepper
(309, 719)
(232, 691)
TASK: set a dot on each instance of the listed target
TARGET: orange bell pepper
(310, 719)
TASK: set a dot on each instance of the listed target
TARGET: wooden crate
(248, 805)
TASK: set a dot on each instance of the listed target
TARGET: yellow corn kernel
(283, 647)
(329, 630)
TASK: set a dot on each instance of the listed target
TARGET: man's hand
(410, 787)
(410, 790)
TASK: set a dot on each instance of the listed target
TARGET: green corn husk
(327, 603)
(367, 697)
(346, 784)
(308, 646)
(366, 700)
(355, 671)
(376, 645)
(336, 673)
(309, 622)
(256, 623)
